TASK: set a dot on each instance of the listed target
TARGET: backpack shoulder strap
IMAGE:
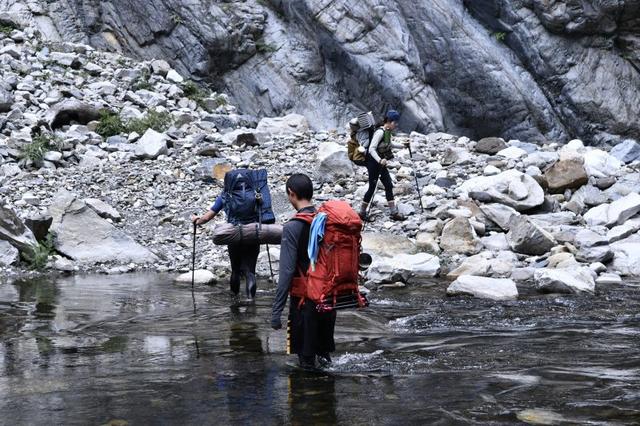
(306, 217)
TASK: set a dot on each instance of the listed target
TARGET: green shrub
(6, 28)
(194, 92)
(158, 121)
(143, 81)
(500, 36)
(41, 253)
(40, 144)
(110, 125)
(263, 47)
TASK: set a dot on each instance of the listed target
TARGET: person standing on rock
(239, 200)
(377, 157)
(311, 332)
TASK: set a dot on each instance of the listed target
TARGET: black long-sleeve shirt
(293, 258)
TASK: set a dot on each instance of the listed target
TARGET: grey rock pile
(505, 211)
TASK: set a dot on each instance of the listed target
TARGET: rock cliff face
(536, 70)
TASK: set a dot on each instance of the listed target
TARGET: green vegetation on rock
(39, 145)
(110, 125)
(41, 252)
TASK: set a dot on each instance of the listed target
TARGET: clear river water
(129, 350)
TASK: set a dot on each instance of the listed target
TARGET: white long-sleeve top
(378, 136)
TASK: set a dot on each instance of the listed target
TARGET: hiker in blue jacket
(240, 203)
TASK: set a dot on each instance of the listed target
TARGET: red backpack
(333, 284)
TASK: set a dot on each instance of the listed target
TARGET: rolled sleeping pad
(251, 233)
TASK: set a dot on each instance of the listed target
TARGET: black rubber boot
(307, 362)
(234, 282)
(251, 285)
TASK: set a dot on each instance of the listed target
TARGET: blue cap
(392, 115)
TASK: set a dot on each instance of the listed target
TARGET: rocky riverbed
(110, 156)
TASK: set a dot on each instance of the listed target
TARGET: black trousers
(244, 258)
(375, 171)
(311, 332)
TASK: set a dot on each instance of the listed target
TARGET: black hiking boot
(324, 360)
(307, 362)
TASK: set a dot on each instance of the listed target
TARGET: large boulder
(333, 161)
(626, 256)
(565, 280)
(6, 100)
(458, 236)
(600, 164)
(15, 232)
(512, 188)
(151, 145)
(386, 244)
(84, 236)
(8, 254)
(526, 237)
(71, 111)
(499, 214)
(615, 213)
(486, 264)
(490, 146)
(408, 268)
(484, 288)
(566, 174)
(592, 247)
(626, 151)
(289, 124)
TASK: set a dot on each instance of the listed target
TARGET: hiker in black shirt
(311, 332)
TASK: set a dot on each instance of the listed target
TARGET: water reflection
(312, 398)
(93, 349)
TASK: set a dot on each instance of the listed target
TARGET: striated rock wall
(532, 70)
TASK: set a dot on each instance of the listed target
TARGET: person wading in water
(311, 331)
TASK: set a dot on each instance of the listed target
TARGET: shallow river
(129, 350)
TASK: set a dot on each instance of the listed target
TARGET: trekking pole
(415, 175)
(193, 268)
(259, 203)
(270, 267)
(366, 217)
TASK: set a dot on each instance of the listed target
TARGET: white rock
(289, 124)
(8, 254)
(615, 213)
(53, 156)
(573, 280)
(512, 153)
(490, 170)
(511, 187)
(484, 288)
(626, 256)
(598, 163)
(151, 145)
(333, 162)
(609, 278)
(173, 76)
(103, 209)
(201, 277)
(495, 242)
(403, 267)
